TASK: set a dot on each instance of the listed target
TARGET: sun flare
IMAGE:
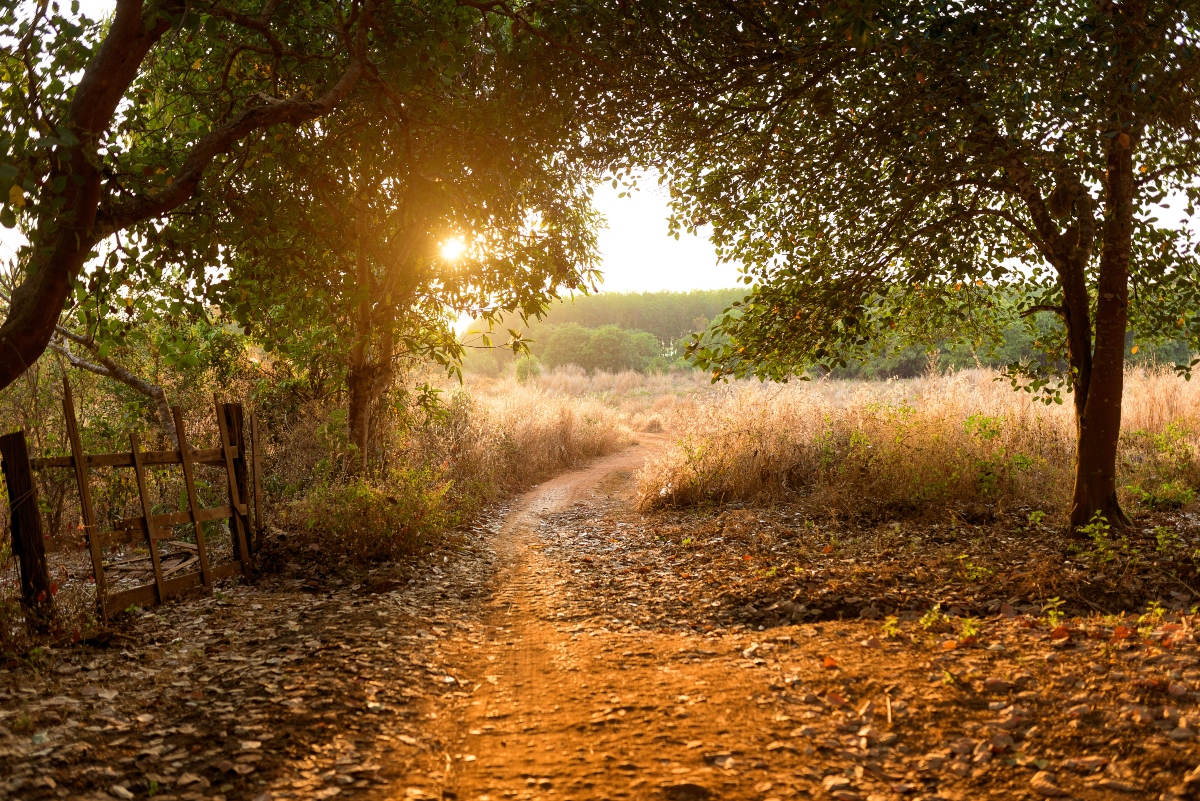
(452, 249)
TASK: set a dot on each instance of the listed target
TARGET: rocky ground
(576, 649)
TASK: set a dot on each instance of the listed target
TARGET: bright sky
(639, 256)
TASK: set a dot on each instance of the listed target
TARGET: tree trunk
(360, 375)
(1098, 412)
(358, 384)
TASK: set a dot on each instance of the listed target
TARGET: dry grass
(483, 446)
(641, 402)
(916, 446)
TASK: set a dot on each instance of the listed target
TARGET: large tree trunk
(360, 375)
(1098, 410)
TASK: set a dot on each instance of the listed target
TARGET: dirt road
(571, 703)
(572, 648)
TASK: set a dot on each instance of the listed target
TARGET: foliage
(360, 522)
(908, 167)
(528, 367)
(608, 348)
(670, 318)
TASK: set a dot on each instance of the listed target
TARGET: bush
(361, 521)
(527, 368)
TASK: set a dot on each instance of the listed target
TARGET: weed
(1036, 517)
(1053, 611)
(972, 571)
(1168, 495)
(969, 627)
(891, 626)
(1166, 539)
(1104, 547)
(934, 618)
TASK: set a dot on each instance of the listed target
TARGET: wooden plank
(194, 509)
(236, 425)
(234, 498)
(254, 466)
(147, 594)
(28, 544)
(79, 463)
(208, 456)
(138, 524)
(140, 473)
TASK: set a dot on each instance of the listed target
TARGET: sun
(452, 249)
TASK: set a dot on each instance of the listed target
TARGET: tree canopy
(904, 166)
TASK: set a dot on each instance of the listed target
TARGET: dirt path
(602, 668)
(573, 648)
(566, 704)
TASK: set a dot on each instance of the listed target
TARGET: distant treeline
(1016, 346)
(648, 331)
(643, 331)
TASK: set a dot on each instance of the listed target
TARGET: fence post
(236, 421)
(27, 542)
(229, 423)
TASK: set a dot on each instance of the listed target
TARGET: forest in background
(648, 332)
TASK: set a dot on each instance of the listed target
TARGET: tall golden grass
(918, 445)
(481, 446)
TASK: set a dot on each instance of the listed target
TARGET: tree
(336, 239)
(884, 167)
(83, 160)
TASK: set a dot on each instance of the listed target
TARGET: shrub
(527, 367)
(361, 521)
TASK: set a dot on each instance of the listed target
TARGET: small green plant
(947, 677)
(933, 618)
(983, 427)
(1104, 548)
(972, 571)
(22, 724)
(1053, 611)
(891, 626)
(687, 541)
(1166, 539)
(153, 788)
(1168, 495)
(969, 627)
(1036, 517)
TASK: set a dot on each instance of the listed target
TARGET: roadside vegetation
(921, 447)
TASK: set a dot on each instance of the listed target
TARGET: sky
(639, 256)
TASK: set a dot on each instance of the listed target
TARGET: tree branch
(1032, 310)
(272, 112)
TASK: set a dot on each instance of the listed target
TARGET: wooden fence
(241, 465)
